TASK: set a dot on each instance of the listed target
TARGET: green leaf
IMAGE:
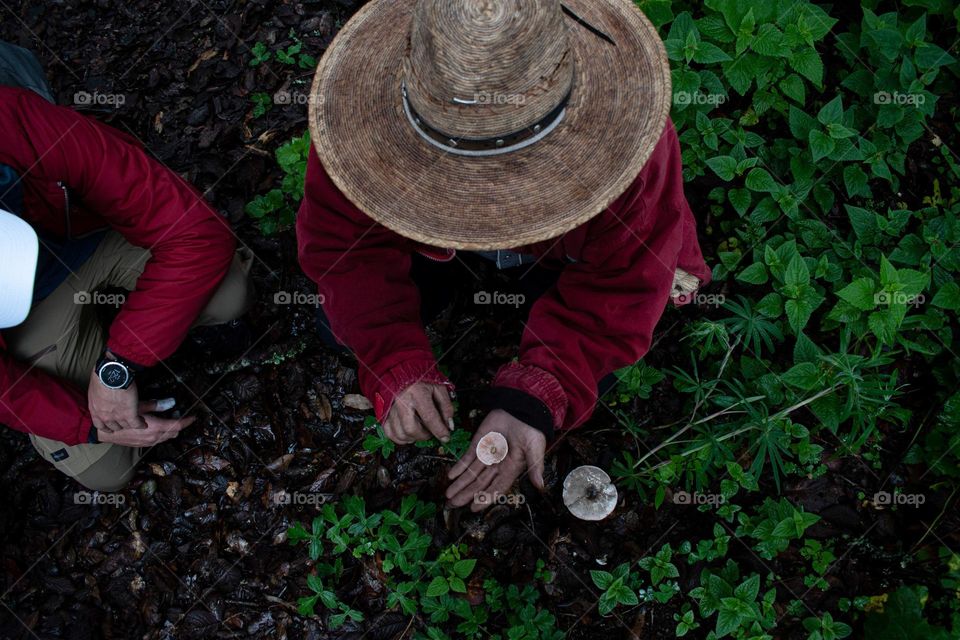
(805, 375)
(797, 272)
(602, 579)
(832, 112)
(740, 199)
(438, 587)
(756, 273)
(860, 294)
(793, 87)
(464, 568)
(760, 180)
(707, 53)
(808, 64)
(948, 297)
(724, 166)
(821, 145)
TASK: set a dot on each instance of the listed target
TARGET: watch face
(114, 375)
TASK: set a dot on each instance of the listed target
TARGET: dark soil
(198, 549)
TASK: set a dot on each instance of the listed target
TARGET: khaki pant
(65, 339)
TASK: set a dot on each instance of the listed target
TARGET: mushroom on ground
(492, 448)
(589, 494)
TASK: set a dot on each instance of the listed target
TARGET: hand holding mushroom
(477, 473)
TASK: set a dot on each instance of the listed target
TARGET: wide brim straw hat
(489, 124)
(19, 249)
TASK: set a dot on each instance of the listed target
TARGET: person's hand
(473, 479)
(419, 412)
(113, 409)
(156, 429)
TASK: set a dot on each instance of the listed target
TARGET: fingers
(158, 430)
(501, 483)
(468, 459)
(536, 473)
(441, 397)
(100, 425)
(470, 491)
(429, 414)
(470, 474)
(148, 406)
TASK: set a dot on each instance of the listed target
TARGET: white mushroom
(492, 448)
(589, 494)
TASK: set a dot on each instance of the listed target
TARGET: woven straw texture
(617, 111)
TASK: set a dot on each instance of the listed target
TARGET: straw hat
(19, 248)
(488, 124)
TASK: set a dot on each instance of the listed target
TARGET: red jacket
(113, 183)
(599, 316)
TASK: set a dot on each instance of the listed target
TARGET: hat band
(487, 146)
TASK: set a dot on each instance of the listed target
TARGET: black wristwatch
(115, 372)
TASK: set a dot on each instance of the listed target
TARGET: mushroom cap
(492, 448)
(589, 494)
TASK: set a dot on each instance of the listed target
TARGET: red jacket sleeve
(601, 313)
(362, 271)
(191, 245)
(34, 402)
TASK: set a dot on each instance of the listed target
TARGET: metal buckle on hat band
(488, 146)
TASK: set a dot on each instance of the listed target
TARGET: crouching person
(84, 211)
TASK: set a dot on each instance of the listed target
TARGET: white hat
(19, 248)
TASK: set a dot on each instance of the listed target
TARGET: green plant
(276, 210)
(262, 103)
(260, 54)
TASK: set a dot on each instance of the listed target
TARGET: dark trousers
(439, 283)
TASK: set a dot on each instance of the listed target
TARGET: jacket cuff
(141, 360)
(522, 406)
(401, 376)
(538, 383)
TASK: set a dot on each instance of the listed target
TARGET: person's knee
(231, 301)
(104, 483)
